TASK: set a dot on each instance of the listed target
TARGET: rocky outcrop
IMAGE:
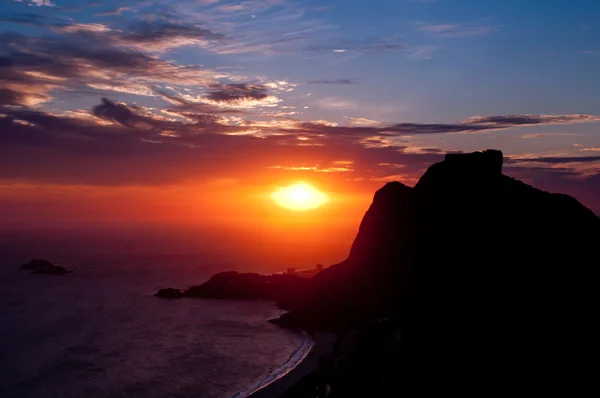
(169, 293)
(41, 266)
(286, 289)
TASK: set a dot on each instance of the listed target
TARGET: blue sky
(404, 76)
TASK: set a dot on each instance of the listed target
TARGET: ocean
(100, 332)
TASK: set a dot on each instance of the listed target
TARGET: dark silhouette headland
(469, 282)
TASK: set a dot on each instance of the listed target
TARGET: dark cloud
(472, 125)
(162, 34)
(158, 30)
(136, 148)
(32, 67)
(116, 129)
(237, 92)
(122, 114)
(187, 108)
(14, 97)
(119, 144)
(154, 33)
(529, 120)
(557, 159)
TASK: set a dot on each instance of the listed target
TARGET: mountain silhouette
(491, 281)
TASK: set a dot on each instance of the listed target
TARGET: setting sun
(300, 196)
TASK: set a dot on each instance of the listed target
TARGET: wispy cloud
(336, 103)
(558, 159)
(84, 27)
(457, 30)
(333, 81)
(422, 52)
(361, 121)
(39, 3)
(33, 68)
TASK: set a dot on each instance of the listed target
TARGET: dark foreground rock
(492, 282)
(285, 289)
(169, 293)
(41, 266)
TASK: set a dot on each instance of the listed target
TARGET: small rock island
(41, 266)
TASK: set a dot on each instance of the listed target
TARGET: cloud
(237, 92)
(84, 27)
(544, 135)
(134, 147)
(422, 52)
(160, 35)
(374, 44)
(112, 12)
(124, 144)
(530, 120)
(361, 121)
(187, 109)
(384, 135)
(333, 81)
(457, 30)
(336, 103)
(152, 34)
(284, 28)
(557, 159)
(123, 114)
(39, 3)
(32, 68)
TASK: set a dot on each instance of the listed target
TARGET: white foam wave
(295, 358)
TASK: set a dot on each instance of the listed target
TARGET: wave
(294, 359)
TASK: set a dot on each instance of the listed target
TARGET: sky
(144, 112)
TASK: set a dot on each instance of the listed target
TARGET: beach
(322, 346)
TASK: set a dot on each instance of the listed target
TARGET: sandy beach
(323, 346)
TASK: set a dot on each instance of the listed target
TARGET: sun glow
(299, 197)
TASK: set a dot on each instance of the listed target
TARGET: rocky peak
(463, 169)
(384, 215)
(488, 161)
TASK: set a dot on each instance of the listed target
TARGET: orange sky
(243, 215)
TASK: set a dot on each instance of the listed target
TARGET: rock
(285, 289)
(40, 266)
(169, 293)
(36, 264)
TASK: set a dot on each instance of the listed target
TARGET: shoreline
(322, 346)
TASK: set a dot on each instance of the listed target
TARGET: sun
(300, 197)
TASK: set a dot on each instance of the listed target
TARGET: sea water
(101, 332)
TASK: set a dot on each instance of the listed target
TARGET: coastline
(322, 345)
